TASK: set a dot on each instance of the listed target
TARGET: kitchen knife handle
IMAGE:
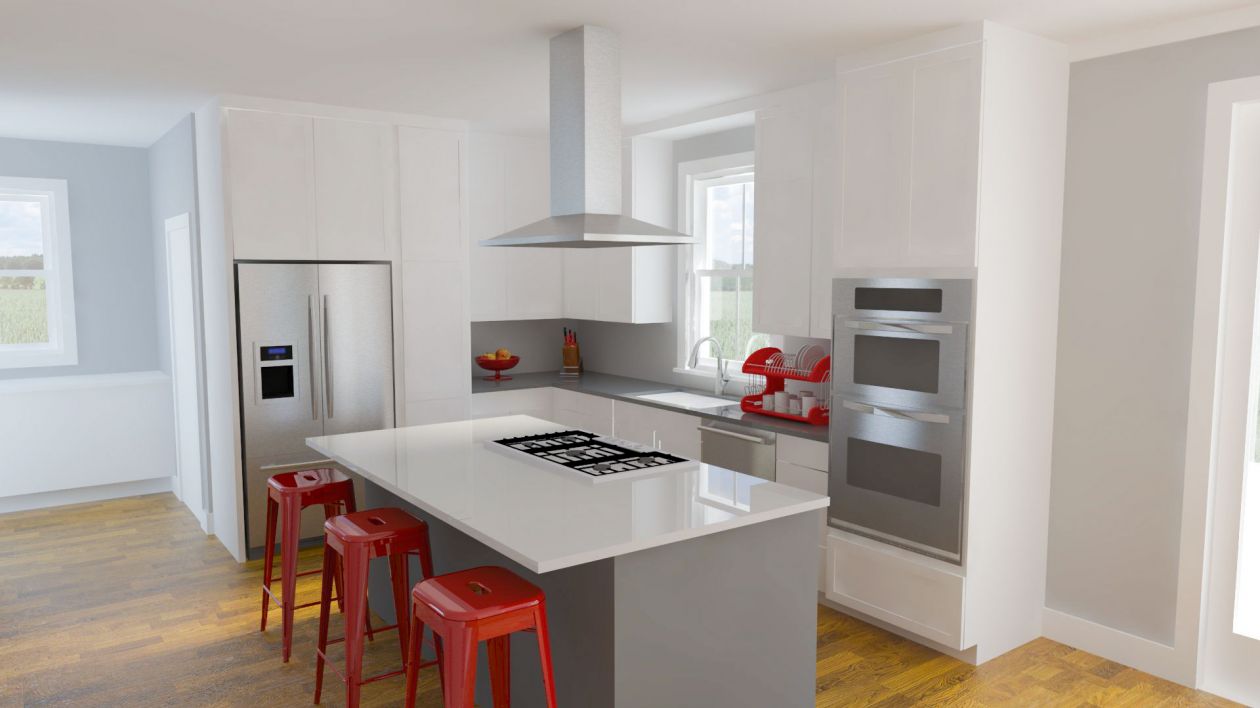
(310, 352)
(328, 394)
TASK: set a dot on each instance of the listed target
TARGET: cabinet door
(270, 184)
(487, 266)
(634, 423)
(876, 112)
(581, 283)
(677, 433)
(783, 219)
(435, 331)
(528, 401)
(583, 411)
(351, 189)
(534, 276)
(824, 127)
(430, 174)
(945, 179)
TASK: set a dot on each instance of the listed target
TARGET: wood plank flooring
(128, 603)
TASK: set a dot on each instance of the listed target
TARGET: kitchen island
(693, 586)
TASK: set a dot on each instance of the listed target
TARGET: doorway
(190, 476)
(1228, 338)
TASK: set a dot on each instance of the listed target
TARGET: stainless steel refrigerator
(315, 348)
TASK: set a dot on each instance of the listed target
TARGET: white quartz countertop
(546, 517)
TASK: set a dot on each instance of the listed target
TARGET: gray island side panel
(727, 619)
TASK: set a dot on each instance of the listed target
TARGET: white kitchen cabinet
(676, 433)
(536, 402)
(630, 285)
(508, 181)
(269, 171)
(803, 464)
(430, 183)
(353, 189)
(918, 594)
(909, 151)
(633, 285)
(583, 411)
(436, 368)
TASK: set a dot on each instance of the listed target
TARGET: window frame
(692, 176)
(58, 274)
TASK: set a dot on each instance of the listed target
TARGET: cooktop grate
(588, 453)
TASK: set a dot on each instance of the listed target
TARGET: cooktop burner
(590, 454)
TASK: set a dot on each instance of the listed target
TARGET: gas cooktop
(596, 457)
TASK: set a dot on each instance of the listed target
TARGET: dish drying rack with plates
(769, 368)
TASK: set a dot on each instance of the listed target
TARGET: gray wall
(1131, 215)
(172, 191)
(112, 251)
(536, 342)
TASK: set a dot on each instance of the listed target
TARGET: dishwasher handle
(733, 434)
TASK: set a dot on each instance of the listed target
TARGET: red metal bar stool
(288, 493)
(464, 608)
(354, 539)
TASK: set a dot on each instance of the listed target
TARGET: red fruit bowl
(497, 366)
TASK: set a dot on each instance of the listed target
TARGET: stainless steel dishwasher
(738, 448)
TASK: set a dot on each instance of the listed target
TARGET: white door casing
(190, 472)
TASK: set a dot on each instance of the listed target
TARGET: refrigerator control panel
(275, 353)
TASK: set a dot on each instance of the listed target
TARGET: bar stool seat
(288, 493)
(355, 539)
(469, 606)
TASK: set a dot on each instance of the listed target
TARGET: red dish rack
(771, 363)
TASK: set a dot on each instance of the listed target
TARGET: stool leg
(461, 668)
(398, 572)
(500, 670)
(544, 653)
(290, 527)
(350, 509)
(331, 510)
(412, 661)
(325, 600)
(269, 552)
(356, 562)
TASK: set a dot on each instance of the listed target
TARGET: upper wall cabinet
(909, 152)
(351, 198)
(509, 186)
(270, 185)
(300, 188)
(783, 221)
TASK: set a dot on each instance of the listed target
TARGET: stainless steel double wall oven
(898, 411)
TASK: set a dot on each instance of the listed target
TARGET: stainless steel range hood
(586, 153)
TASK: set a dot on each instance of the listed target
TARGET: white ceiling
(123, 71)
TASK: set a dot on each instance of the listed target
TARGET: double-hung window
(36, 281)
(718, 280)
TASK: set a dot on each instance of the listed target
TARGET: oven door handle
(916, 328)
(899, 413)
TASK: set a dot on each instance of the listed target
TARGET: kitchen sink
(684, 399)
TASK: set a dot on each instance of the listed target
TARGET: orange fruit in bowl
(503, 354)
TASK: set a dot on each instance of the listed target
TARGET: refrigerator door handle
(310, 352)
(328, 395)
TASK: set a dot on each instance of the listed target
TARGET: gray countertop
(625, 389)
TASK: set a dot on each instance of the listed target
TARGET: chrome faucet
(719, 375)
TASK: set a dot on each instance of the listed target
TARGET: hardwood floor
(128, 603)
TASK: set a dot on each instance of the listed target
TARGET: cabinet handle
(900, 413)
(328, 394)
(731, 434)
(899, 327)
(310, 352)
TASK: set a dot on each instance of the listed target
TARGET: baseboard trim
(1129, 649)
(62, 497)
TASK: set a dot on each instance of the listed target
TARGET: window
(36, 282)
(718, 282)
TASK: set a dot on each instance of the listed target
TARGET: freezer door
(356, 321)
(281, 394)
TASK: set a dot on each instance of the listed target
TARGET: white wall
(1131, 224)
